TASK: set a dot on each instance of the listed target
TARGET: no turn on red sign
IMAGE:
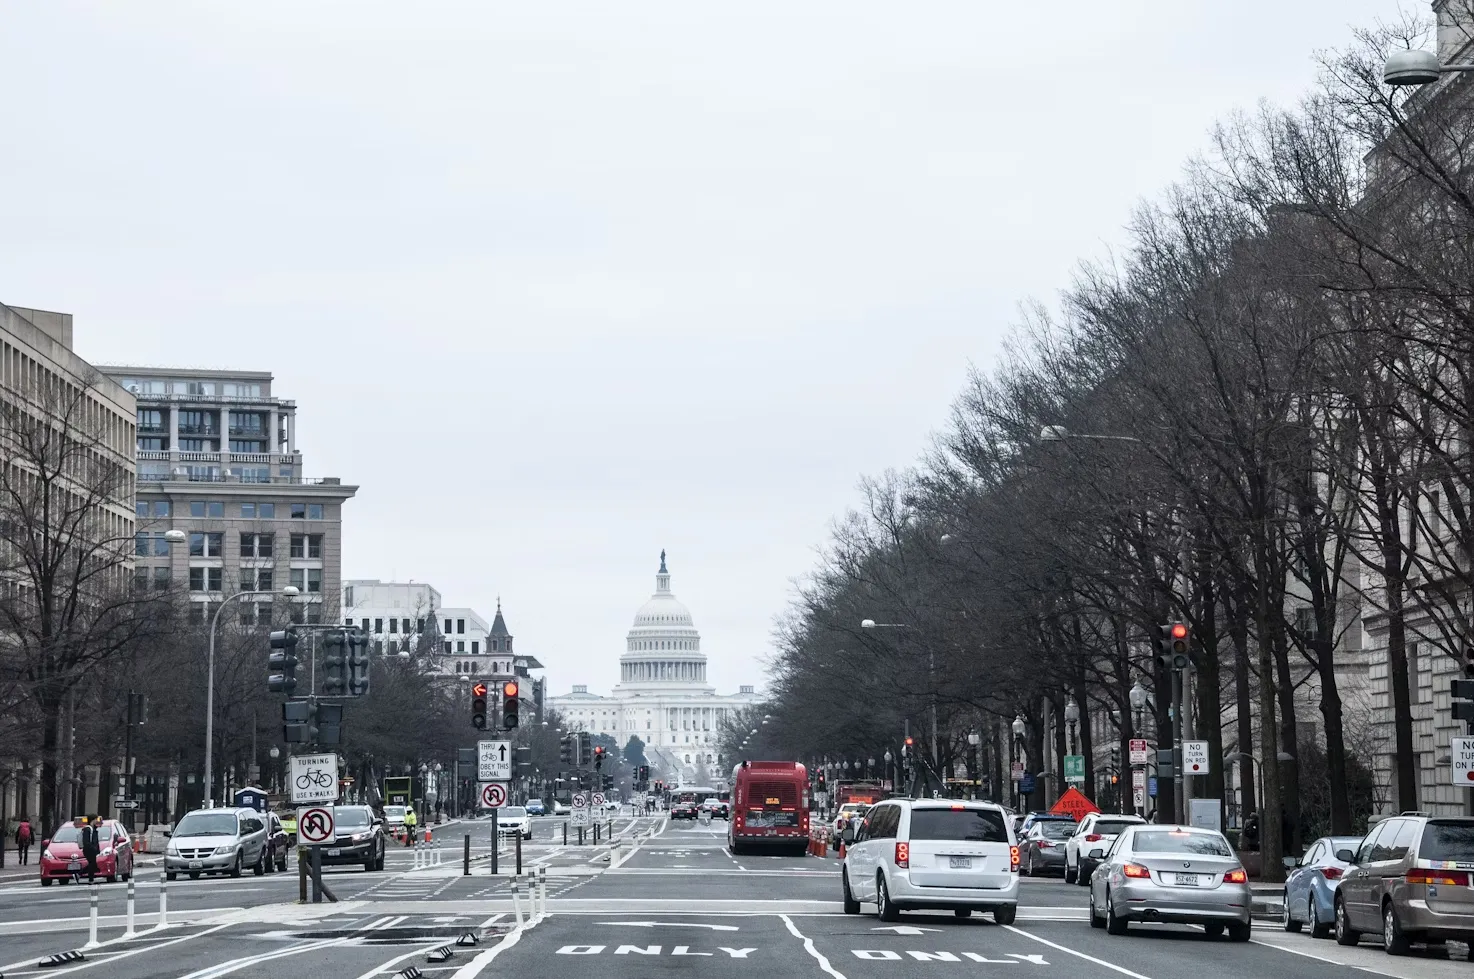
(1195, 757)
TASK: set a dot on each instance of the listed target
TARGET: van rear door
(959, 845)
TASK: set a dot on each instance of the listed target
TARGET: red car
(61, 856)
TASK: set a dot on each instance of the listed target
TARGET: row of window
(159, 472)
(198, 389)
(212, 544)
(306, 580)
(158, 443)
(216, 508)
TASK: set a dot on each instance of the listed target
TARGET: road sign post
(580, 810)
(494, 761)
(1140, 753)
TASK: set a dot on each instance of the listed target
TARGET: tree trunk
(1405, 770)
(1289, 812)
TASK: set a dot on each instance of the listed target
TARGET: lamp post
(1416, 68)
(931, 673)
(890, 770)
(1139, 699)
(1018, 753)
(1072, 718)
(290, 591)
(1058, 433)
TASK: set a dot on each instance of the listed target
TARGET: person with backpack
(91, 845)
(24, 837)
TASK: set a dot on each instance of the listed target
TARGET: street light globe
(291, 591)
(175, 536)
(870, 761)
(1138, 696)
(974, 738)
(1053, 433)
(888, 756)
(1018, 725)
(867, 623)
(1410, 68)
(1072, 711)
(275, 752)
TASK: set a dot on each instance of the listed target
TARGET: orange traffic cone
(841, 849)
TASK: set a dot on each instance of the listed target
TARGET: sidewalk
(1269, 900)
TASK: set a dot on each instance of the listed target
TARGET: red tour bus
(770, 807)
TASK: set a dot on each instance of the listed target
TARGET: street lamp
(1242, 756)
(1072, 717)
(290, 591)
(1058, 433)
(1416, 68)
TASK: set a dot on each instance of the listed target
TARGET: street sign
(494, 761)
(580, 801)
(315, 825)
(1461, 752)
(1026, 784)
(580, 817)
(493, 795)
(1016, 772)
(1151, 786)
(1075, 769)
(125, 803)
(1140, 753)
(314, 778)
(1074, 804)
(1195, 757)
(1138, 787)
(598, 798)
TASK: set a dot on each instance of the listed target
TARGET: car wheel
(883, 906)
(1394, 942)
(1069, 873)
(1095, 921)
(1318, 928)
(851, 904)
(1240, 931)
(235, 869)
(962, 912)
(194, 875)
(259, 869)
(1287, 920)
(1006, 914)
(281, 866)
(1114, 924)
(1214, 929)
(112, 878)
(170, 875)
(47, 882)
(1081, 877)
(1345, 934)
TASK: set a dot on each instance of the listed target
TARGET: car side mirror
(168, 833)
(46, 843)
(1345, 856)
(1096, 854)
(1292, 861)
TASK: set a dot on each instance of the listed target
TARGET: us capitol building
(662, 696)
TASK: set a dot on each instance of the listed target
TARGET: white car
(846, 812)
(394, 817)
(914, 854)
(513, 821)
(560, 808)
(1096, 829)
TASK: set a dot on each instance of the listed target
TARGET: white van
(914, 854)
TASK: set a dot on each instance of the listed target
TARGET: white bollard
(542, 886)
(415, 860)
(129, 933)
(516, 902)
(92, 916)
(163, 901)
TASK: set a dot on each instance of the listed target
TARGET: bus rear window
(972, 825)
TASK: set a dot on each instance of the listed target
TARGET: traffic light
(598, 758)
(358, 663)
(1175, 646)
(643, 773)
(1462, 690)
(334, 663)
(608, 782)
(309, 722)
(478, 705)
(585, 748)
(510, 703)
(565, 749)
(522, 755)
(282, 662)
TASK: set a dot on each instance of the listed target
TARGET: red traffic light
(509, 689)
(478, 689)
(910, 742)
(1179, 631)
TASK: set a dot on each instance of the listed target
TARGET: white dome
(663, 611)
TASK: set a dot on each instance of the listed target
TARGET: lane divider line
(1070, 951)
(809, 947)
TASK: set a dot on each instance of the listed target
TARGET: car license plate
(959, 863)
(196, 864)
(1187, 880)
(335, 852)
(74, 866)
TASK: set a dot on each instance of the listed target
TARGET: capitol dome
(663, 645)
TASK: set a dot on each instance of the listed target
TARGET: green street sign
(1075, 769)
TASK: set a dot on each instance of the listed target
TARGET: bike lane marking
(1070, 951)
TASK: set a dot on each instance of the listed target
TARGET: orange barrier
(428, 838)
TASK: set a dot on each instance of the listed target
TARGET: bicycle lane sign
(314, 778)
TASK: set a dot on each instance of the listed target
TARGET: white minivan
(915, 854)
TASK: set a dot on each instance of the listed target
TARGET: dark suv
(1409, 880)
(360, 838)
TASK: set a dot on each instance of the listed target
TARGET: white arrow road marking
(905, 929)
(670, 924)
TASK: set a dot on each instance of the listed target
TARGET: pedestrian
(409, 826)
(1251, 832)
(91, 845)
(24, 837)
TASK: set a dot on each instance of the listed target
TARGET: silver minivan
(218, 841)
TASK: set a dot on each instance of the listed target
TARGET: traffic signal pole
(1179, 799)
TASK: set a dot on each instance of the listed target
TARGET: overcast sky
(559, 284)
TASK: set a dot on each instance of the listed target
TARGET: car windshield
(1113, 827)
(1057, 831)
(67, 834)
(351, 818)
(973, 825)
(394, 812)
(1451, 840)
(1171, 841)
(513, 812)
(207, 824)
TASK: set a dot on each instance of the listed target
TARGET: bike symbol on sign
(314, 776)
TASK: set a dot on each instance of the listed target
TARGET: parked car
(1179, 874)
(1042, 817)
(279, 842)
(1310, 889)
(1042, 849)
(358, 838)
(717, 808)
(1410, 881)
(513, 821)
(217, 841)
(1097, 830)
(61, 855)
(914, 854)
(535, 807)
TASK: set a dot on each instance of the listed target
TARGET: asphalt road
(670, 900)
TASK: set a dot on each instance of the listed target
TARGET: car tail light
(1236, 877)
(1045, 844)
(1423, 875)
(1013, 858)
(1093, 838)
(1136, 870)
(1331, 873)
(903, 855)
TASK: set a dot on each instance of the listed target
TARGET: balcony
(153, 430)
(184, 476)
(206, 431)
(247, 432)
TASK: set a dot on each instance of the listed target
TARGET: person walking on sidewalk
(24, 837)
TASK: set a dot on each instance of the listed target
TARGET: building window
(237, 445)
(140, 577)
(314, 612)
(206, 579)
(257, 545)
(405, 625)
(299, 511)
(248, 511)
(242, 390)
(256, 474)
(307, 546)
(460, 626)
(461, 647)
(420, 625)
(308, 580)
(150, 420)
(446, 650)
(314, 511)
(286, 471)
(196, 423)
(255, 579)
(162, 508)
(393, 625)
(448, 629)
(152, 444)
(162, 579)
(206, 545)
(474, 650)
(198, 389)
